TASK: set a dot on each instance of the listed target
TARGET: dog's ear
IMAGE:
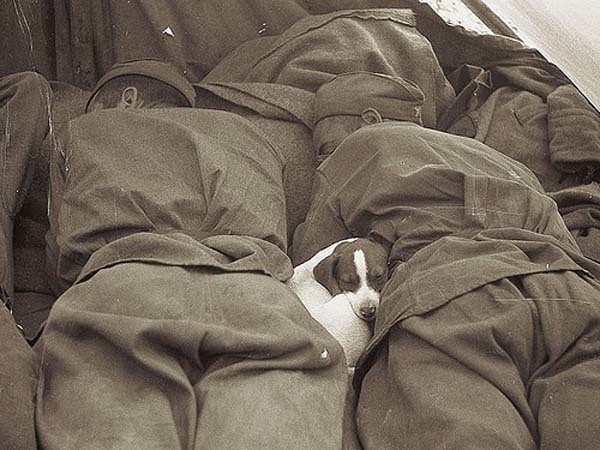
(325, 273)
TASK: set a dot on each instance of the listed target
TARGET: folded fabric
(573, 131)
(580, 209)
(273, 101)
(553, 129)
(473, 85)
(316, 48)
(225, 253)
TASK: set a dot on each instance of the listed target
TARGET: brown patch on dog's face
(326, 272)
(346, 275)
(377, 265)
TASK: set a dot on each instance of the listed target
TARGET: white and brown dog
(340, 288)
(357, 268)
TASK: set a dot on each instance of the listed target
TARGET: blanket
(466, 224)
(283, 119)
(202, 330)
(284, 115)
(411, 185)
(443, 198)
(199, 172)
(554, 131)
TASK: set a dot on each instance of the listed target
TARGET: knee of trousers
(270, 323)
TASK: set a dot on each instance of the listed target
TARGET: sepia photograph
(299, 225)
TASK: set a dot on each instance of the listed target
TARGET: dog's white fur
(335, 313)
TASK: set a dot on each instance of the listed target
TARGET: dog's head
(357, 269)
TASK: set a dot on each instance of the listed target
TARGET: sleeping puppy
(340, 314)
(357, 268)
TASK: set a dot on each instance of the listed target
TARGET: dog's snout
(367, 311)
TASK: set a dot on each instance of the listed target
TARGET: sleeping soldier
(488, 332)
(174, 328)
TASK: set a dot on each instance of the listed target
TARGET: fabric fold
(573, 132)
(273, 101)
(226, 253)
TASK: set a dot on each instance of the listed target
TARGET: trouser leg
(25, 100)
(565, 391)
(418, 397)
(453, 378)
(513, 364)
(284, 388)
(18, 378)
(172, 358)
(568, 404)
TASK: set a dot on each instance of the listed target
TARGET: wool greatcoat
(488, 332)
(175, 329)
